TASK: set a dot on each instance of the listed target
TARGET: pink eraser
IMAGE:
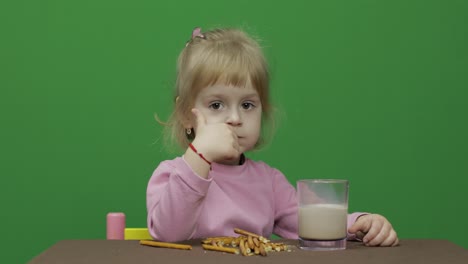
(115, 226)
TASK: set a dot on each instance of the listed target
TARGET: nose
(234, 118)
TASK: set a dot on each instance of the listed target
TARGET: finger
(360, 235)
(385, 232)
(356, 227)
(396, 241)
(362, 225)
(236, 142)
(389, 240)
(235, 147)
(235, 138)
(374, 230)
(201, 120)
(380, 237)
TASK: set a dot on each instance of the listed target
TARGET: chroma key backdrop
(370, 91)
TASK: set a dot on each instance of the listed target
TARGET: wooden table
(114, 251)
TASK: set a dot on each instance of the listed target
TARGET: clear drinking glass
(323, 212)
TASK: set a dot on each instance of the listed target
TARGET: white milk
(323, 221)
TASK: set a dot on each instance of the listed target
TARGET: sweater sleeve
(174, 200)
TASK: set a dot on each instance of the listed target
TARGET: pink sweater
(253, 196)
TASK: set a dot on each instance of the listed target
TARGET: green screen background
(371, 91)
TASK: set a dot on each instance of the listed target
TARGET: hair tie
(196, 33)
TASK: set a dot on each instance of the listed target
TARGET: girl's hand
(217, 142)
(374, 230)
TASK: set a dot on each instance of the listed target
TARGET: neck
(234, 162)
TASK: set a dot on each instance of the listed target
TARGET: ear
(189, 120)
(187, 125)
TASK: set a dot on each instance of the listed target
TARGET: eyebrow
(220, 95)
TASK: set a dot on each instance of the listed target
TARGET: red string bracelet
(199, 154)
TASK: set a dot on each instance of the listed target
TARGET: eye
(247, 105)
(216, 105)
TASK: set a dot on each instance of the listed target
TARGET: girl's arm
(174, 201)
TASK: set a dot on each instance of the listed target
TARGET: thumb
(362, 224)
(201, 121)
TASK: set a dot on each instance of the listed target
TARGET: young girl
(222, 100)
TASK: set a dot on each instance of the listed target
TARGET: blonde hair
(227, 56)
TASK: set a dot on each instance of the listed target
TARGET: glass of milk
(323, 212)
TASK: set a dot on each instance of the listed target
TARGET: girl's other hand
(374, 230)
(217, 142)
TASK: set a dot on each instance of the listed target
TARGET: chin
(247, 146)
(246, 149)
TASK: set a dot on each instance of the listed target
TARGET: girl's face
(239, 107)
